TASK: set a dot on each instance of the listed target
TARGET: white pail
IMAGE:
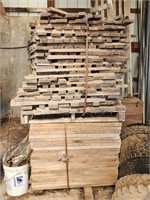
(16, 179)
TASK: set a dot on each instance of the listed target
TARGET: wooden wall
(120, 7)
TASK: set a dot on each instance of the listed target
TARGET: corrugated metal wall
(73, 3)
(133, 28)
(144, 67)
(24, 4)
(43, 4)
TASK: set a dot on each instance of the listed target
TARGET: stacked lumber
(74, 154)
(77, 65)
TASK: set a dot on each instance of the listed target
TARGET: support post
(2, 10)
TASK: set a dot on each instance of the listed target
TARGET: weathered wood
(76, 120)
(94, 146)
(17, 9)
(135, 10)
(75, 60)
(50, 3)
(134, 111)
(2, 10)
(17, 155)
(56, 10)
(99, 8)
(88, 193)
(129, 91)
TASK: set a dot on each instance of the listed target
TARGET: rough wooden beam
(99, 8)
(76, 10)
(57, 10)
(105, 11)
(127, 8)
(117, 7)
(135, 10)
(2, 10)
(35, 10)
(92, 3)
(50, 3)
(129, 63)
(17, 9)
(120, 7)
(123, 7)
(114, 6)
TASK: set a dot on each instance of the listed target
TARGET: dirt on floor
(99, 193)
(12, 133)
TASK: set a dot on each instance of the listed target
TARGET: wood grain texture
(92, 151)
(134, 111)
(88, 193)
(69, 149)
(58, 60)
(2, 10)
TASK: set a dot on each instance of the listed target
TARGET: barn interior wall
(14, 65)
(15, 31)
(24, 4)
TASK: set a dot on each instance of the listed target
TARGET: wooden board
(88, 193)
(134, 111)
(93, 150)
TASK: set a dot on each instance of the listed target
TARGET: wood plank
(91, 161)
(88, 193)
(39, 185)
(76, 10)
(120, 7)
(134, 111)
(50, 3)
(56, 10)
(114, 8)
(2, 10)
(76, 120)
(129, 91)
(73, 110)
(135, 10)
(20, 9)
(83, 155)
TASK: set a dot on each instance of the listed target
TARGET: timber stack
(78, 63)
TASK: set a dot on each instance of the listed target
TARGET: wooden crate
(134, 111)
(91, 148)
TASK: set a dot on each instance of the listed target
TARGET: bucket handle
(10, 178)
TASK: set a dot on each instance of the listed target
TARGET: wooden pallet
(79, 154)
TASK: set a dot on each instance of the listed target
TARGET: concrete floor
(99, 193)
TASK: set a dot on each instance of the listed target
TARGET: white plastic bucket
(16, 179)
